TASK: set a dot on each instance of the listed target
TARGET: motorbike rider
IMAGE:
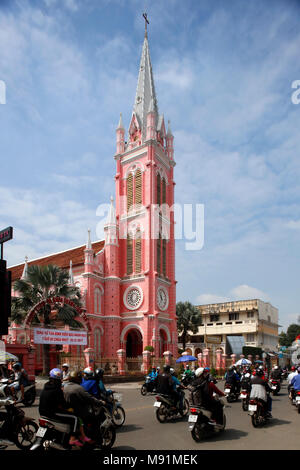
(89, 382)
(53, 405)
(153, 374)
(246, 378)
(164, 382)
(233, 378)
(19, 381)
(66, 372)
(295, 382)
(104, 394)
(80, 401)
(261, 390)
(276, 373)
(177, 389)
(290, 377)
(202, 390)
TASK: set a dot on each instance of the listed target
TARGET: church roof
(145, 98)
(62, 259)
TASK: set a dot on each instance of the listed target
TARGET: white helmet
(88, 371)
(65, 365)
(172, 370)
(199, 371)
(276, 367)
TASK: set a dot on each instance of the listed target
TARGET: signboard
(214, 339)
(51, 336)
(6, 234)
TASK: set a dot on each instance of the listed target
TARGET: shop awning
(236, 344)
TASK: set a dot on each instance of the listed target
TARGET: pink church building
(128, 279)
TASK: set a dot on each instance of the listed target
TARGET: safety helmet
(259, 372)
(88, 371)
(75, 376)
(66, 365)
(207, 368)
(199, 371)
(293, 368)
(172, 370)
(157, 368)
(99, 373)
(17, 365)
(276, 367)
(55, 373)
(167, 368)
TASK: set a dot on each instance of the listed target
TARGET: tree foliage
(188, 320)
(286, 339)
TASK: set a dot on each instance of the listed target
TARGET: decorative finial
(89, 244)
(24, 274)
(146, 22)
(120, 126)
(71, 277)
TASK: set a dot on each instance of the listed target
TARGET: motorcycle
(117, 411)
(186, 379)
(292, 395)
(245, 394)
(297, 400)
(148, 386)
(29, 392)
(201, 425)
(257, 412)
(231, 393)
(55, 434)
(15, 427)
(168, 408)
(275, 386)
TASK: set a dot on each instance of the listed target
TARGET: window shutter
(129, 255)
(129, 191)
(138, 253)
(138, 187)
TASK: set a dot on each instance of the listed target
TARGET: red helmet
(293, 368)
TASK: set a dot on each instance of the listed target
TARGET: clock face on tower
(162, 298)
(133, 297)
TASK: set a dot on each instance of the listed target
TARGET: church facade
(127, 280)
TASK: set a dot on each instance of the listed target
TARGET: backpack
(198, 393)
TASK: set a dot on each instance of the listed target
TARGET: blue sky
(223, 73)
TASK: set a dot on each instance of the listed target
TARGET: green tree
(40, 284)
(188, 320)
(286, 339)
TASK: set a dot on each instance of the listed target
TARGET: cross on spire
(146, 22)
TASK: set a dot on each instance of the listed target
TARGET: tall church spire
(145, 97)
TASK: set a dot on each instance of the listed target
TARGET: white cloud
(244, 292)
(211, 299)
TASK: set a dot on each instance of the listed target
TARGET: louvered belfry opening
(129, 255)
(138, 252)
(129, 191)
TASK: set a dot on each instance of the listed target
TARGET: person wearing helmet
(164, 382)
(178, 394)
(290, 377)
(233, 378)
(52, 397)
(66, 372)
(19, 381)
(276, 373)
(295, 382)
(260, 389)
(202, 390)
(80, 401)
(89, 382)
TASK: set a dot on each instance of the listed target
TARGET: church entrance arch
(134, 344)
(163, 342)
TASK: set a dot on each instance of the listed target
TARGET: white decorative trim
(133, 278)
(133, 169)
(129, 288)
(166, 330)
(132, 326)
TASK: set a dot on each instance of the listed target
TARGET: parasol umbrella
(186, 358)
(243, 362)
(6, 357)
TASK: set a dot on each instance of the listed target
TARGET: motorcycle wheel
(198, 432)
(245, 405)
(118, 416)
(257, 419)
(229, 399)
(185, 408)
(298, 409)
(25, 436)
(108, 438)
(161, 414)
(144, 390)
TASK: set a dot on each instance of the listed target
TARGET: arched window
(138, 187)
(129, 255)
(158, 189)
(97, 300)
(129, 191)
(97, 341)
(158, 249)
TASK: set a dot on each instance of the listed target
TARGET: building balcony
(228, 327)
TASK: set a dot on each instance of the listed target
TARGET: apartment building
(232, 325)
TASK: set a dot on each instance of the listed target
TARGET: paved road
(142, 431)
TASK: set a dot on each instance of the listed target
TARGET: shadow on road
(277, 422)
(128, 428)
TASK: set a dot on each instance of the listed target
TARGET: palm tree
(188, 320)
(42, 283)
